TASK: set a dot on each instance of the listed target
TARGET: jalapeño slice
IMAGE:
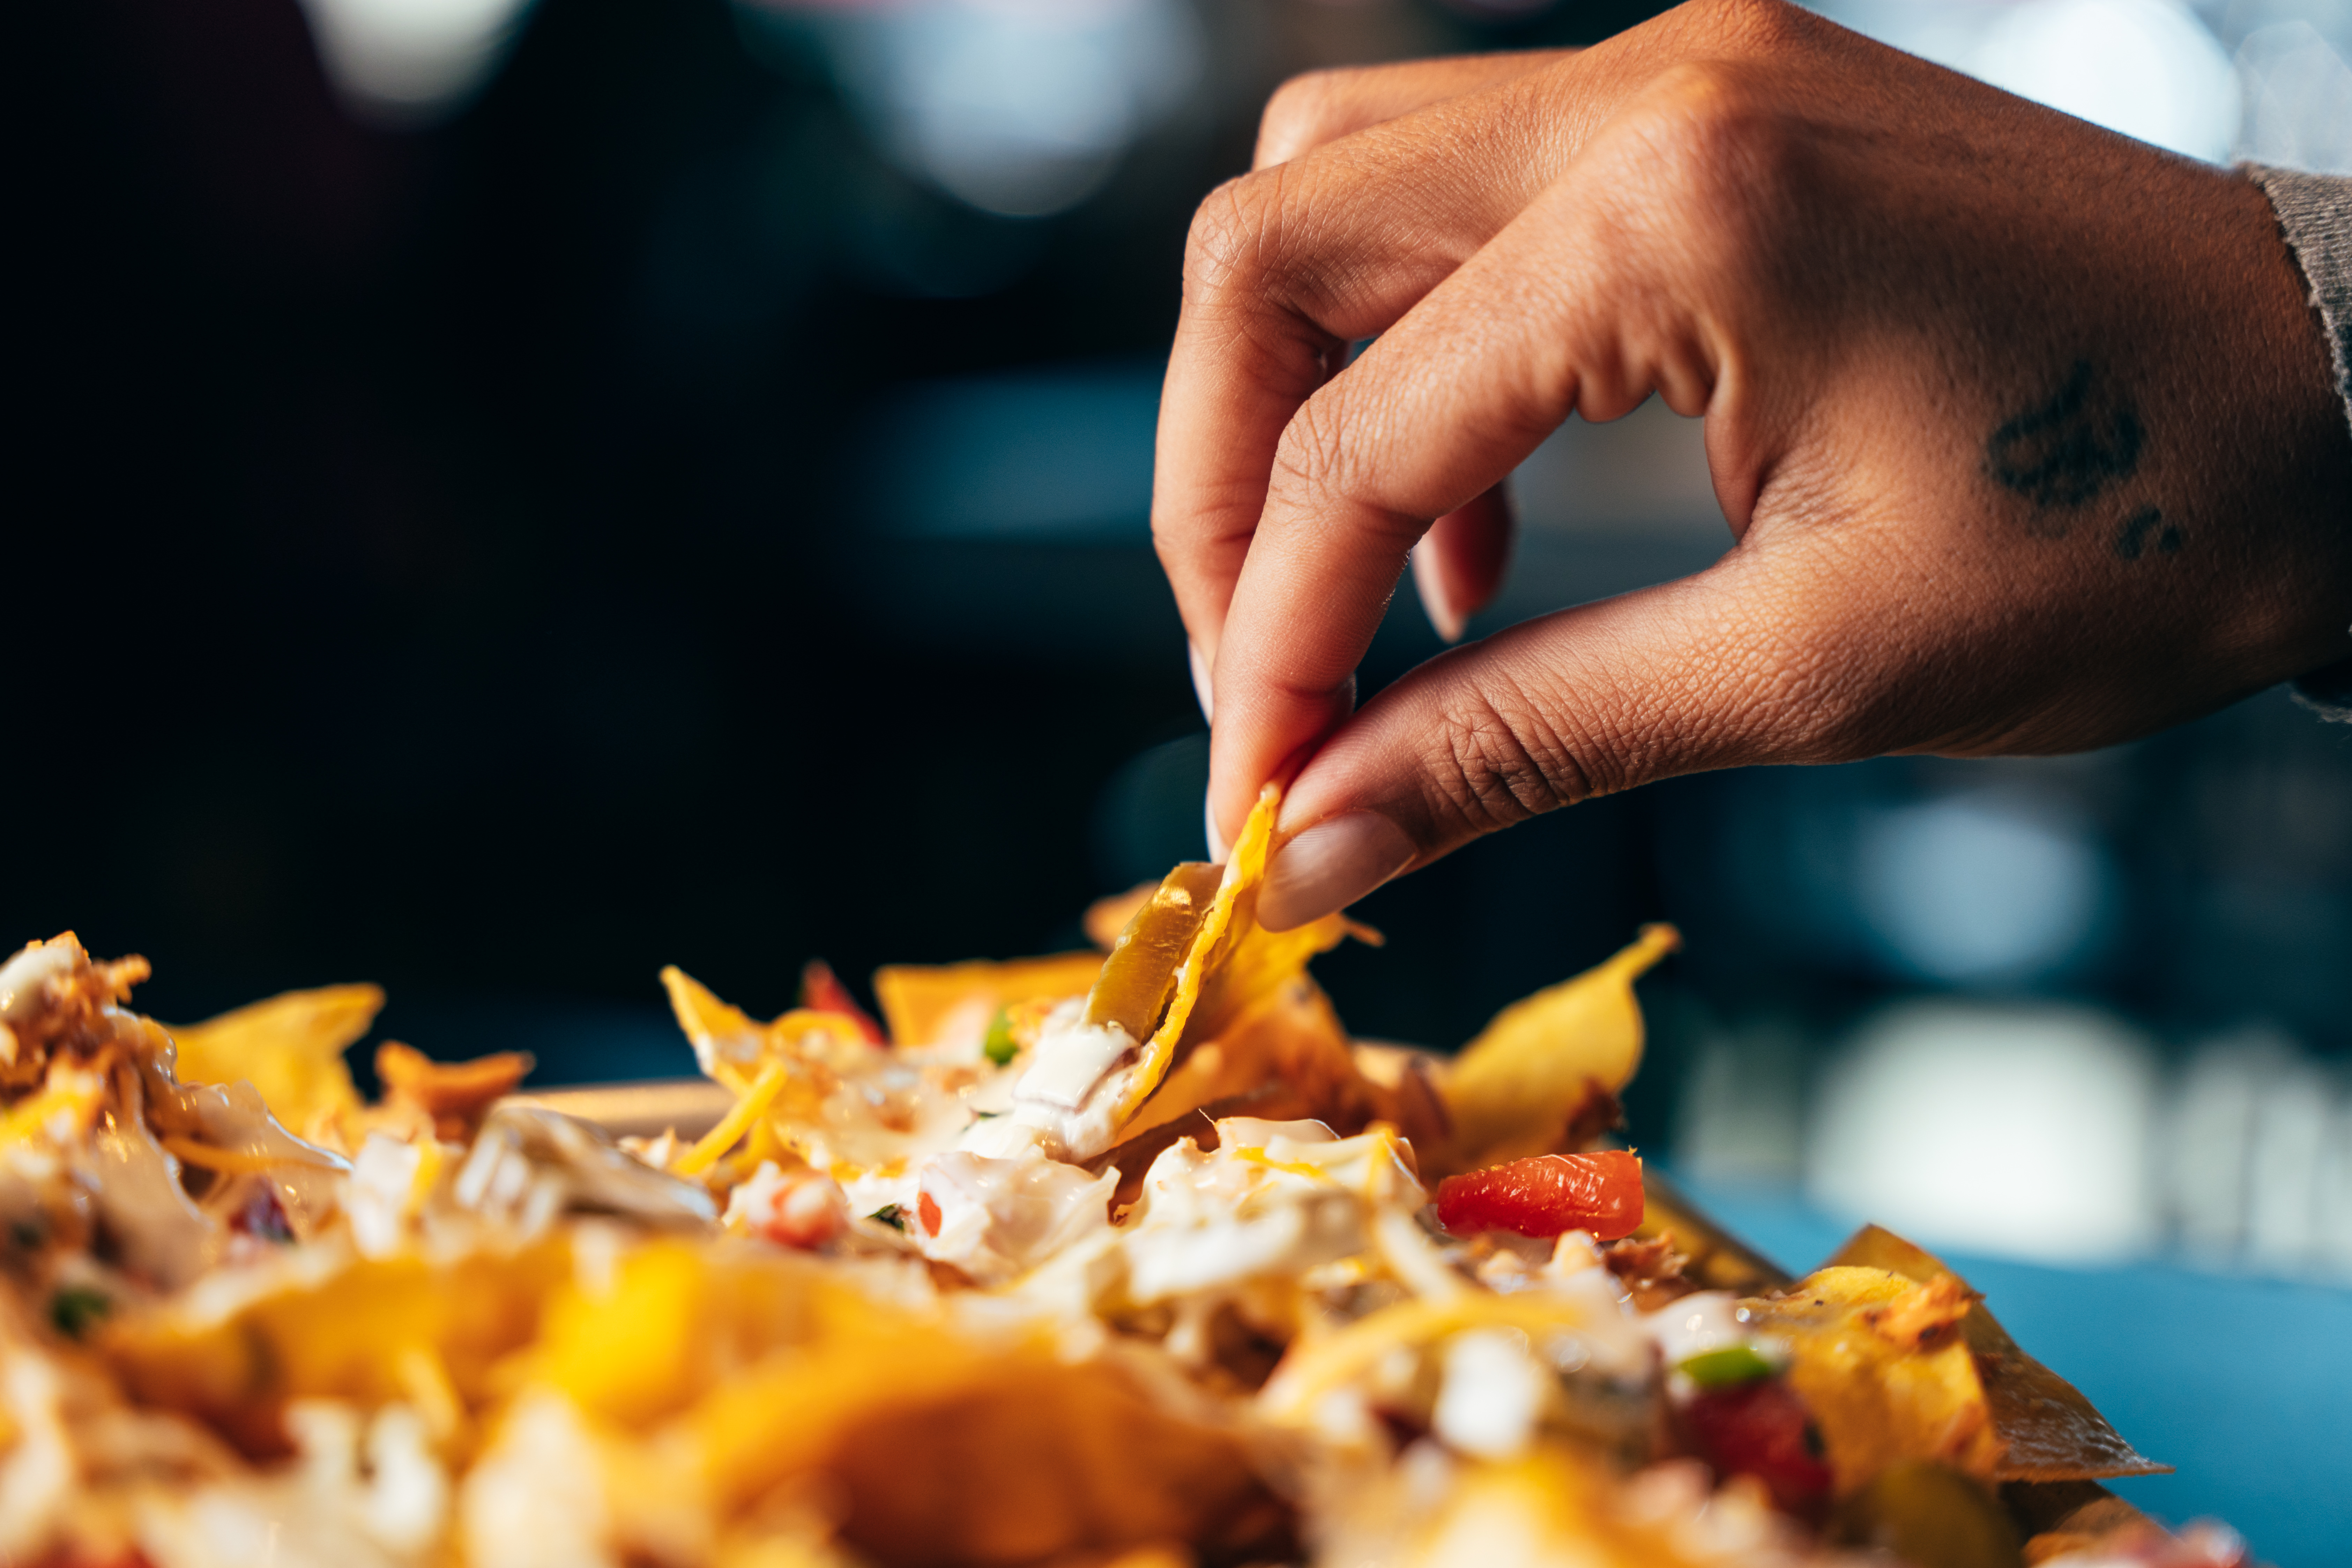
(1141, 973)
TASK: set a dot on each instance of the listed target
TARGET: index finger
(1286, 266)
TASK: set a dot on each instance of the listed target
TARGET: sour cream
(1273, 1197)
(1077, 1076)
(997, 1218)
(1707, 1320)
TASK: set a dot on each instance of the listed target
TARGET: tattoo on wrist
(2146, 529)
(2068, 449)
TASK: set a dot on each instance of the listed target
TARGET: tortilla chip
(1556, 1505)
(369, 1331)
(1230, 917)
(1713, 1257)
(1289, 1052)
(1261, 963)
(929, 1004)
(455, 1096)
(290, 1048)
(1880, 1365)
(757, 1377)
(1021, 1455)
(672, 1325)
(733, 1047)
(2048, 1432)
(1518, 1087)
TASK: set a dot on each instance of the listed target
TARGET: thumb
(1708, 672)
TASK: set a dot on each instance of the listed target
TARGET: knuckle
(1758, 25)
(1500, 760)
(1725, 156)
(1301, 107)
(1706, 117)
(1310, 460)
(1226, 244)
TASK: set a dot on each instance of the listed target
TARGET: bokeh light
(1020, 108)
(2148, 68)
(409, 63)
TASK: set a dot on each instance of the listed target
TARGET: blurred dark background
(511, 497)
(441, 554)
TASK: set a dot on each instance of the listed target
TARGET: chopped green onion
(986, 1115)
(76, 1308)
(888, 1214)
(1000, 1047)
(1722, 1368)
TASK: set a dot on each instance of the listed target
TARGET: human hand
(2026, 434)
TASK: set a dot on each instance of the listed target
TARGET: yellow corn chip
(1517, 1088)
(1713, 1257)
(763, 1377)
(1232, 916)
(1881, 1366)
(1261, 963)
(926, 1004)
(1288, 1053)
(733, 1047)
(2048, 1432)
(354, 1334)
(290, 1048)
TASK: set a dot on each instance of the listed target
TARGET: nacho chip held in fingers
(1231, 915)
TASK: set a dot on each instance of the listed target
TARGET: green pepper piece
(1000, 1047)
(888, 1214)
(1723, 1368)
(76, 1309)
(1139, 976)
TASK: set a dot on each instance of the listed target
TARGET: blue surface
(2244, 1384)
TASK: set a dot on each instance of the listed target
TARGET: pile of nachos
(1124, 1256)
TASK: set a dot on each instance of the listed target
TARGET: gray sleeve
(2314, 213)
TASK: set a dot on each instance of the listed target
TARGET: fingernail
(1434, 602)
(1329, 867)
(1217, 845)
(1202, 689)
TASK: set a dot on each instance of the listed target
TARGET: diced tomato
(1548, 1196)
(263, 1216)
(1761, 1429)
(799, 1209)
(823, 992)
(928, 1212)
